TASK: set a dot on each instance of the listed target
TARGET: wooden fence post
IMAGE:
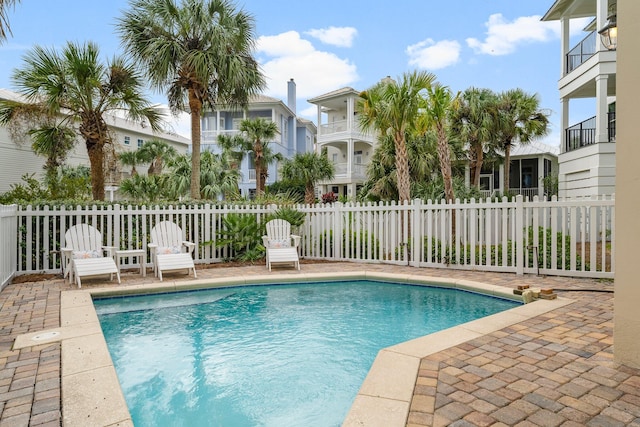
(519, 236)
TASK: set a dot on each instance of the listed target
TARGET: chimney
(291, 95)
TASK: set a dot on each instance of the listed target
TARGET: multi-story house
(351, 150)
(588, 71)
(295, 135)
(17, 158)
(347, 147)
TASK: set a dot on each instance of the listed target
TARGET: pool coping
(91, 392)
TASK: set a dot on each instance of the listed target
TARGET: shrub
(244, 235)
(329, 198)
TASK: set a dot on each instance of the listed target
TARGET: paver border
(384, 397)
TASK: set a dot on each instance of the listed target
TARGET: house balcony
(211, 136)
(581, 52)
(358, 171)
(584, 133)
(342, 130)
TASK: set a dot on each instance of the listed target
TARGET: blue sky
(496, 44)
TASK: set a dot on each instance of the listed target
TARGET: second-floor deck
(584, 133)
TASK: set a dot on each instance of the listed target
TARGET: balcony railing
(357, 170)
(581, 52)
(584, 133)
(334, 127)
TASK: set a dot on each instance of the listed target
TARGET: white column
(350, 114)
(602, 134)
(349, 157)
(501, 175)
(540, 176)
(601, 18)
(319, 121)
(564, 123)
(564, 44)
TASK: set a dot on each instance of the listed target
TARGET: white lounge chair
(83, 254)
(278, 243)
(169, 250)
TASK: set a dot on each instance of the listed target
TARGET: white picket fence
(8, 243)
(556, 237)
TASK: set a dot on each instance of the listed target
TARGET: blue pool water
(276, 355)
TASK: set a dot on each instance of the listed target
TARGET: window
(547, 167)
(127, 140)
(140, 142)
(335, 158)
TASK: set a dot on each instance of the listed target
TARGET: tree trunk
(259, 160)
(479, 154)
(309, 193)
(96, 158)
(195, 105)
(507, 167)
(402, 169)
(445, 163)
(95, 133)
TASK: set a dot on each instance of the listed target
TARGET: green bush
(361, 237)
(243, 234)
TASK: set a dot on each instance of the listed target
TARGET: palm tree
(310, 168)
(233, 149)
(155, 152)
(436, 115)
(519, 120)
(259, 132)
(381, 181)
(474, 122)
(53, 142)
(130, 158)
(76, 87)
(199, 51)
(392, 108)
(4, 22)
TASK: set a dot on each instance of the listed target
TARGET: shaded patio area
(556, 369)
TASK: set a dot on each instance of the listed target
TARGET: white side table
(140, 253)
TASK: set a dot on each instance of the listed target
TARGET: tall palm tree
(4, 22)
(155, 152)
(310, 168)
(436, 115)
(520, 119)
(260, 132)
(474, 122)
(77, 88)
(199, 51)
(391, 108)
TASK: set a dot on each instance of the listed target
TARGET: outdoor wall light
(609, 33)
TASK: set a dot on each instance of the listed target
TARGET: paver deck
(556, 369)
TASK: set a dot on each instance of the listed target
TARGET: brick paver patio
(553, 370)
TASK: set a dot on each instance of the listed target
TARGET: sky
(324, 46)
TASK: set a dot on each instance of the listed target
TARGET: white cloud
(286, 56)
(503, 37)
(336, 36)
(434, 55)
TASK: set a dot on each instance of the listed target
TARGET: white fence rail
(566, 237)
(8, 243)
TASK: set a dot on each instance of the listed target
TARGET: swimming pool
(267, 355)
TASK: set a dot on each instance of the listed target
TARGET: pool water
(268, 355)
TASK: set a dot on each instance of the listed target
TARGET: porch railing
(581, 52)
(584, 133)
(556, 237)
